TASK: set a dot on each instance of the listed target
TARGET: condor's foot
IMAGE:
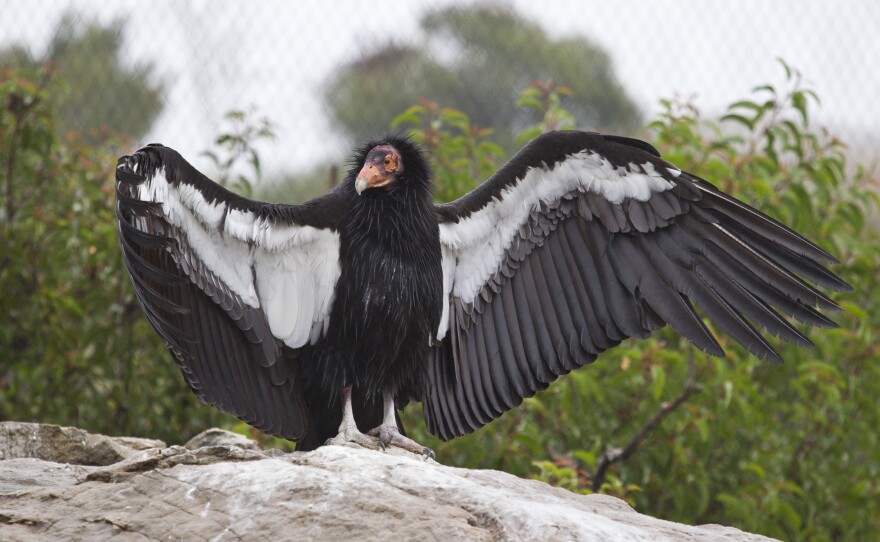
(389, 435)
(350, 434)
(348, 430)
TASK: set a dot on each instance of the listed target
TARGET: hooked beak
(370, 177)
(360, 184)
(381, 166)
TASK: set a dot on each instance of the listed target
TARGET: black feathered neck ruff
(413, 182)
(399, 219)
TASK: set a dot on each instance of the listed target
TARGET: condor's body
(299, 319)
(386, 308)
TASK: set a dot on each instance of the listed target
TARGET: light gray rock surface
(221, 487)
(67, 444)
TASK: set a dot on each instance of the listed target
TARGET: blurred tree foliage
(100, 97)
(484, 56)
(785, 450)
(790, 451)
(75, 348)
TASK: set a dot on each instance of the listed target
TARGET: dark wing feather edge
(223, 347)
(583, 273)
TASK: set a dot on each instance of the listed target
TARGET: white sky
(214, 56)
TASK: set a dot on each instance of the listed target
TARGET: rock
(67, 444)
(220, 437)
(226, 491)
(28, 473)
(156, 458)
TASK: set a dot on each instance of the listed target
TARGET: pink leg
(389, 434)
(348, 430)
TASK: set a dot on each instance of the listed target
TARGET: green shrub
(789, 451)
(75, 348)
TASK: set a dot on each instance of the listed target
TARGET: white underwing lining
(286, 270)
(474, 248)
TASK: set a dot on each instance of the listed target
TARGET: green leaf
(255, 162)
(756, 469)
(769, 147)
(789, 517)
(747, 104)
(799, 101)
(528, 101)
(658, 375)
(413, 115)
(703, 429)
(733, 117)
(728, 394)
(587, 457)
(785, 67)
(766, 88)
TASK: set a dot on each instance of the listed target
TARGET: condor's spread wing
(583, 240)
(233, 286)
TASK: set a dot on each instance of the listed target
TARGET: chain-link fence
(188, 63)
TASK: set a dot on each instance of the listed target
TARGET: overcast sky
(217, 55)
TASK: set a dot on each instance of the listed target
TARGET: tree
(75, 348)
(99, 95)
(494, 54)
(790, 450)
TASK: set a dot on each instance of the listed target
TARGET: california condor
(319, 321)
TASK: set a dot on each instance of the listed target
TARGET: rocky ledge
(61, 483)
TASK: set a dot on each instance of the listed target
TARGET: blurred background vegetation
(790, 451)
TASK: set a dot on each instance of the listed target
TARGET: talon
(356, 437)
(388, 434)
(348, 430)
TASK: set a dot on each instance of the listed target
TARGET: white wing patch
(474, 248)
(288, 271)
(448, 263)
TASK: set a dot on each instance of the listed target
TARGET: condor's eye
(387, 161)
